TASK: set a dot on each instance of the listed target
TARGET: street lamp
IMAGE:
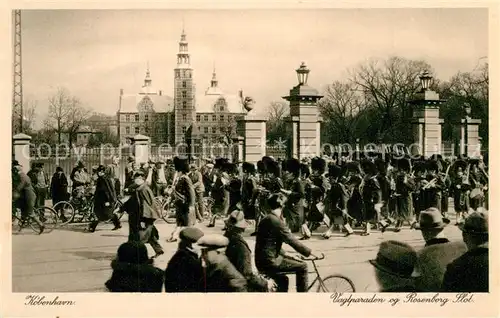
(302, 74)
(425, 80)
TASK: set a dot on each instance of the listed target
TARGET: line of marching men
(372, 190)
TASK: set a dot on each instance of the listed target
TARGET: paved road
(71, 260)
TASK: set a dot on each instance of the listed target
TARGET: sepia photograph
(338, 151)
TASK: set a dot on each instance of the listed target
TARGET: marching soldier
(336, 203)
(249, 191)
(293, 211)
(355, 201)
(461, 188)
(220, 193)
(419, 178)
(404, 185)
(371, 195)
(432, 189)
(479, 184)
(315, 192)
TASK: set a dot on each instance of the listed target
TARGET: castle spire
(147, 79)
(214, 81)
(183, 59)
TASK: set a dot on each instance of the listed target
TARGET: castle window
(221, 117)
(214, 118)
(199, 128)
(146, 117)
(184, 94)
(214, 130)
(198, 117)
(221, 108)
(184, 129)
(205, 118)
(146, 130)
(184, 104)
(184, 84)
(184, 117)
(205, 130)
(137, 117)
(137, 130)
(127, 130)
(127, 117)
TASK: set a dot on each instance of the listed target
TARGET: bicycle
(45, 214)
(330, 283)
(168, 210)
(76, 210)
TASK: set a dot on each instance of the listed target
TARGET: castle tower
(184, 93)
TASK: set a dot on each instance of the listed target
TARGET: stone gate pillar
(252, 130)
(470, 143)
(304, 117)
(21, 143)
(426, 122)
(141, 148)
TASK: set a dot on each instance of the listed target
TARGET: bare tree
(340, 108)
(388, 86)
(28, 117)
(276, 126)
(66, 114)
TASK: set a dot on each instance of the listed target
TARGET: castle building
(209, 118)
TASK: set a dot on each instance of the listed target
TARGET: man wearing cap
(23, 195)
(394, 265)
(184, 272)
(249, 191)
(129, 172)
(220, 276)
(40, 182)
(208, 177)
(239, 254)
(437, 253)
(270, 258)
(470, 272)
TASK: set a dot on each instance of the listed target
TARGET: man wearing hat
(104, 200)
(184, 272)
(143, 211)
(437, 253)
(199, 189)
(220, 191)
(129, 171)
(220, 275)
(404, 185)
(208, 175)
(249, 191)
(239, 254)
(394, 265)
(372, 196)
(23, 195)
(470, 272)
(270, 258)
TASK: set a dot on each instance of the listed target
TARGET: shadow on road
(95, 255)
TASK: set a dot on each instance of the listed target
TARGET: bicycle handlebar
(318, 258)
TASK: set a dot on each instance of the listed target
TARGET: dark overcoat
(135, 278)
(184, 273)
(105, 192)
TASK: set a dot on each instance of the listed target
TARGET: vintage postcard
(183, 159)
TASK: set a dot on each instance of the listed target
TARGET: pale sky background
(94, 53)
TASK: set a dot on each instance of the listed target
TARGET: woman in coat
(59, 187)
(184, 197)
(104, 200)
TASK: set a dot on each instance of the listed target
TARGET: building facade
(209, 118)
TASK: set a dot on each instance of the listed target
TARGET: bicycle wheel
(48, 217)
(17, 224)
(336, 283)
(65, 212)
(168, 212)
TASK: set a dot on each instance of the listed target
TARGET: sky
(95, 53)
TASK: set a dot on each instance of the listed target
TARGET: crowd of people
(287, 201)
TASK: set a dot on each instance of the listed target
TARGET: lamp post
(302, 74)
(425, 80)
